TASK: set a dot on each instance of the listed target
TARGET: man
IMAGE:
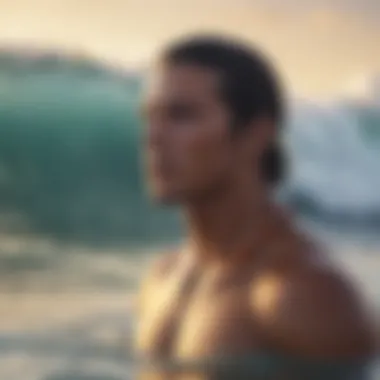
(248, 296)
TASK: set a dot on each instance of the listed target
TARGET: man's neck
(231, 224)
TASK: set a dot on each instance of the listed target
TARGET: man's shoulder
(304, 273)
(162, 264)
(308, 275)
(311, 306)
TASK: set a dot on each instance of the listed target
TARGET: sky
(318, 45)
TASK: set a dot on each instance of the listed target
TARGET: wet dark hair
(250, 86)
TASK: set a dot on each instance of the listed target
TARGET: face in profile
(189, 150)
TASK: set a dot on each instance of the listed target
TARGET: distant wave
(334, 154)
(70, 153)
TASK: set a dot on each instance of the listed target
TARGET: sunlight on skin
(266, 293)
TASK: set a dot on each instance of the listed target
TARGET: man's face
(190, 151)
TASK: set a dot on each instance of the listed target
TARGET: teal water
(70, 153)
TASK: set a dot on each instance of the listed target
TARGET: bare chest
(203, 322)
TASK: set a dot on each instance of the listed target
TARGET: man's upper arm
(314, 314)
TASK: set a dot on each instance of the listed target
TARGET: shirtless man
(248, 297)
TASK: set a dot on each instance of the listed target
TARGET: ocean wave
(70, 153)
(334, 154)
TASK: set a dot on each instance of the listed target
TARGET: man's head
(212, 113)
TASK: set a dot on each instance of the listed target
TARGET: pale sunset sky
(318, 45)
